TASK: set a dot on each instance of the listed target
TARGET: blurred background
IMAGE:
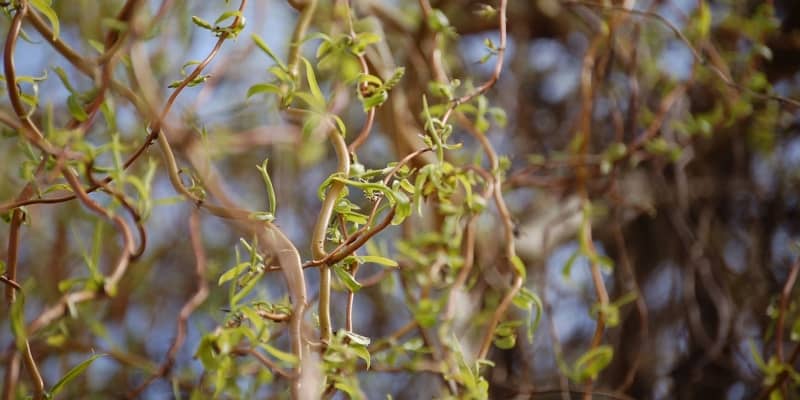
(699, 212)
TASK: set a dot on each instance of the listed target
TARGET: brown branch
(119, 196)
(17, 217)
(641, 305)
(188, 308)
(249, 351)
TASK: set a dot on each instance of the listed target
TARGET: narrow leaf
(312, 83)
(44, 7)
(73, 373)
(347, 279)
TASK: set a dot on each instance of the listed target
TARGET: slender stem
(33, 370)
(17, 218)
(188, 308)
(321, 230)
(303, 21)
(350, 298)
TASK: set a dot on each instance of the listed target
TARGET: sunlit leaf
(202, 23)
(43, 6)
(267, 50)
(378, 260)
(347, 279)
(312, 83)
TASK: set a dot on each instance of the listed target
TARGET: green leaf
(267, 50)
(605, 262)
(402, 207)
(528, 300)
(347, 279)
(227, 15)
(367, 38)
(375, 100)
(615, 151)
(67, 284)
(357, 339)
(591, 363)
(114, 24)
(362, 353)
(499, 116)
(194, 82)
(486, 11)
(202, 23)
(395, 78)
(312, 83)
(349, 386)
(268, 184)
(703, 19)
(281, 74)
(244, 291)
(18, 322)
(44, 7)
(73, 373)
(378, 260)
(97, 46)
(426, 311)
(279, 354)
(263, 88)
(339, 124)
(64, 80)
(75, 109)
(567, 269)
(519, 266)
(233, 272)
(505, 342)
(206, 353)
(438, 21)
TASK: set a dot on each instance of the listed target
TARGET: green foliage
(416, 213)
(591, 363)
(73, 373)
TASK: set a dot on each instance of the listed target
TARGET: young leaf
(530, 301)
(43, 7)
(268, 184)
(227, 15)
(592, 362)
(280, 355)
(202, 23)
(75, 109)
(519, 266)
(263, 88)
(263, 46)
(233, 272)
(243, 292)
(567, 269)
(346, 278)
(18, 322)
(312, 84)
(73, 373)
(378, 260)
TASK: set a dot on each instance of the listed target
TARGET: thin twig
(188, 308)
